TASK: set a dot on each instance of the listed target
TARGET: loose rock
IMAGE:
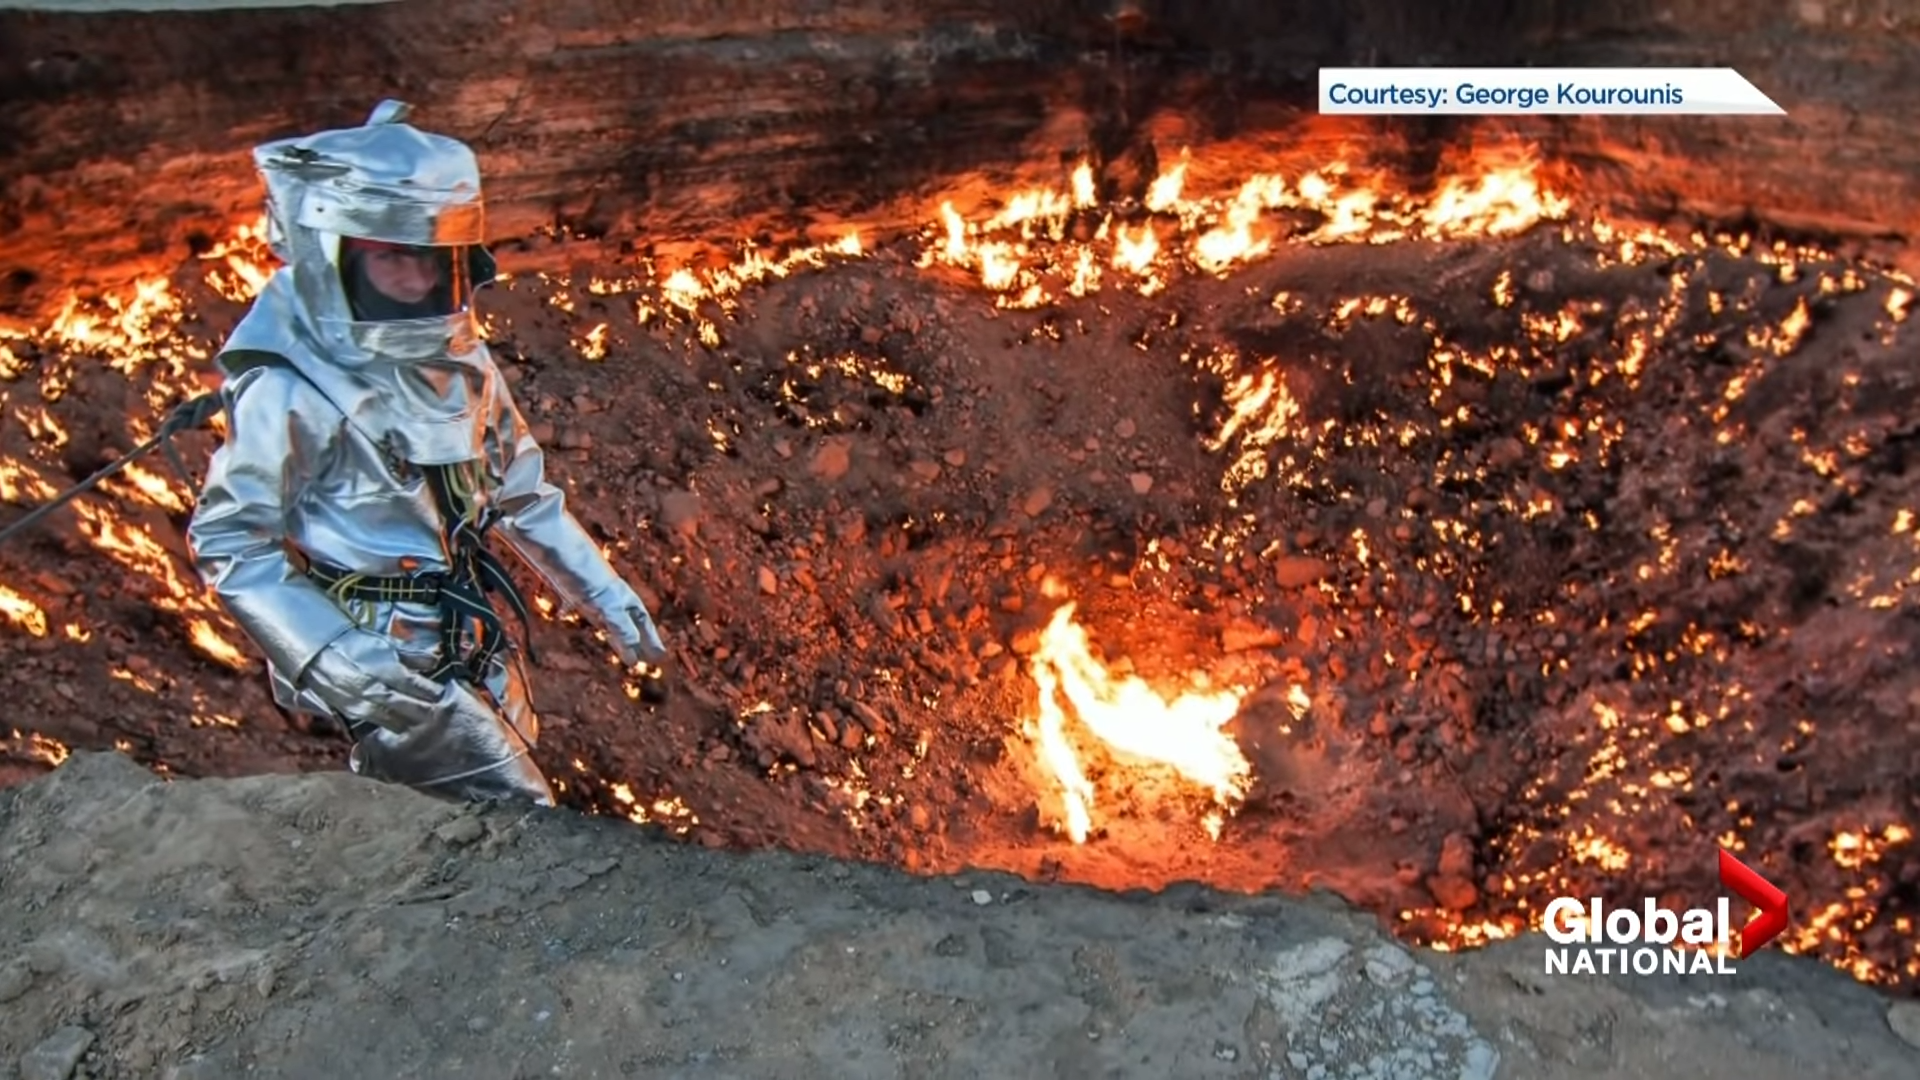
(1904, 1018)
(56, 1057)
(831, 460)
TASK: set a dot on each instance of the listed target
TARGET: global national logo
(1591, 938)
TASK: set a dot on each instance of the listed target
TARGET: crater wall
(124, 143)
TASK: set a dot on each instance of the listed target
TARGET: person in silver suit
(372, 450)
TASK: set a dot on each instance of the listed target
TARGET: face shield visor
(384, 281)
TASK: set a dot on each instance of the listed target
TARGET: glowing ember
(35, 747)
(669, 811)
(22, 612)
(172, 590)
(1134, 725)
(140, 485)
(685, 294)
(23, 484)
(1260, 413)
(594, 345)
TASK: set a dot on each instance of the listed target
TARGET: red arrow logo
(1762, 894)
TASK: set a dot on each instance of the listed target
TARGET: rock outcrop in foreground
(322, 926)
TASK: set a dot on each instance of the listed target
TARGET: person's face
(401, 275)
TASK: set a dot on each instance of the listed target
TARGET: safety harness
(471, 631)
(472, 634)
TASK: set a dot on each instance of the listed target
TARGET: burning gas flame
(1260, 413)
(693, 296)
(1128, 721)
(22, 613)
(1022, 252)
(35, 747)
(244, 263)
(135, 549)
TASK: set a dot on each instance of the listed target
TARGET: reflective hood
(338, 201)
(381, 228)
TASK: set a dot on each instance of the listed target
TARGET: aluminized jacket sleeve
(535, 520)
(277, 436)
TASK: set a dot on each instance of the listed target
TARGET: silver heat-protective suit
(372, 448)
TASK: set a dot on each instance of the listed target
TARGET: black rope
(184, 417)
(495, 578)
(461, 594)
(476, 572)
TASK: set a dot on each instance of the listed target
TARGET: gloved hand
(361, 677)
(629, 626)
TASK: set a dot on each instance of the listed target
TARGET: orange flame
(33, 746)
(135, 549)
(1018, 251)
(1134, 725)
(22, 612)
(245, 263)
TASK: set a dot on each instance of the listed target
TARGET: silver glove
(629, 626)
(470, 746)
(361, 677)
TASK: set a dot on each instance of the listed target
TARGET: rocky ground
(324, 926)
(1547, 563)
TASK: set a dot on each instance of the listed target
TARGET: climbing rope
(185, 417)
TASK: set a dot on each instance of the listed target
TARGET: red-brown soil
(1580, 569)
